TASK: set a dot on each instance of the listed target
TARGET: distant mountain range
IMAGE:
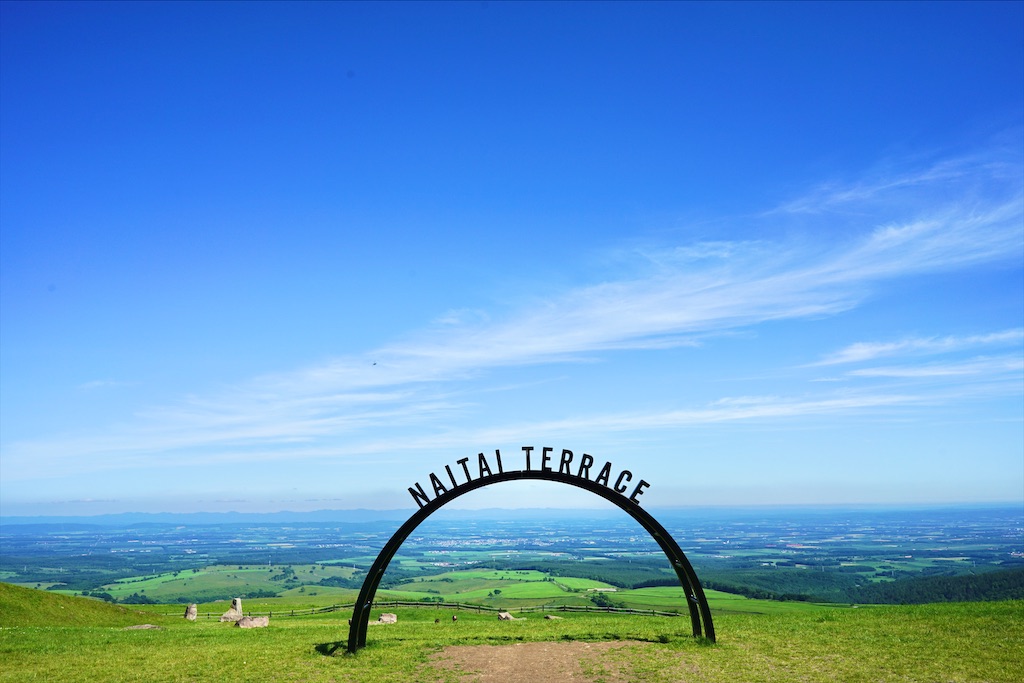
(363, 515)
(316, 516)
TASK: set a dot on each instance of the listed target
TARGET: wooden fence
(458, 606)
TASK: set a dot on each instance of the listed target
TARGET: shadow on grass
(332, 649)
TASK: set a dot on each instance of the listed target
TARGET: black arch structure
(700, 612)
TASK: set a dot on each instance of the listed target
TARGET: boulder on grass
(235, 613)
(388, 618)
(253, 622)
(191, 612)
(505, 616)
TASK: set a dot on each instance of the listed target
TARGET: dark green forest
(985, 586)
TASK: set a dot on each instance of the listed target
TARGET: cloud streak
(867, 351)
(1011, 366)
(683, 295)
(130, 450)
(710, 287)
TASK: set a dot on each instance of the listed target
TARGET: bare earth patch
(528, 662)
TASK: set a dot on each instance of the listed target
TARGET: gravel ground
(527, 662)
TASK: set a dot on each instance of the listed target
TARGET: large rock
(191, 612)
(253, 622)
(505, 616)
(388, 618)
(235, 613)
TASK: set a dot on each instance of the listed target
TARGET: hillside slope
(29, 607)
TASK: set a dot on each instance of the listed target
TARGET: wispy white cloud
(867, 351)
(987, 367)
(682, 295)
(929, 221)
(755, 286)
(128, 449)
(913, 185)
(103, 384)
(420, 423)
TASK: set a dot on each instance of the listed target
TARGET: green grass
(199, 584)
(27, 607)
(491, 587)
(672, 597)
(47, 637)
(581, 584)
(505, 589)
(949, 642)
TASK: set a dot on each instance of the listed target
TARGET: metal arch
(696, 601)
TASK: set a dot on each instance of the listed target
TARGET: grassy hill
(26, 607)
(958, 642)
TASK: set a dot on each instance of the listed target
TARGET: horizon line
(404, 511)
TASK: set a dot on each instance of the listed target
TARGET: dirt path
(527, 662)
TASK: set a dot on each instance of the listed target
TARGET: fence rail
(458, 606)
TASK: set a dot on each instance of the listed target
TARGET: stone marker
(191, 611)
(235, 613)
(253, 622)
(388, 618)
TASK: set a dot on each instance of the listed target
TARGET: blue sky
(297, 256)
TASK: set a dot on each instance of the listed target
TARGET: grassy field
(500, 589)
(662, 599)
(46, 637)
(223, 579)
(512, 597)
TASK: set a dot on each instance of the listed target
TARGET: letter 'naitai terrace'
(481, 467)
